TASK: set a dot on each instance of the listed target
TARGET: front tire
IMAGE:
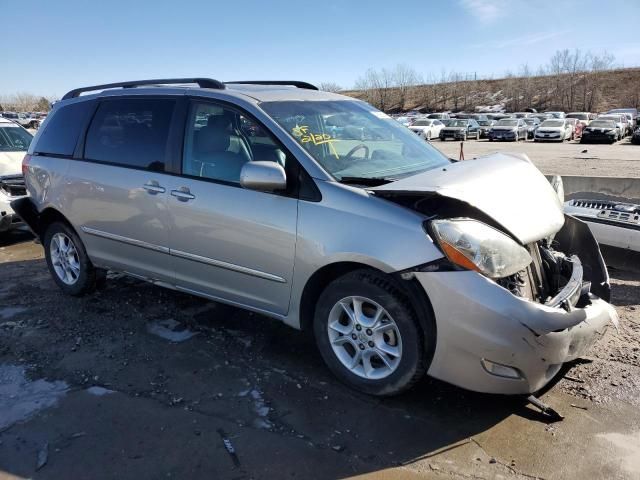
(369, 336)
(68, 261)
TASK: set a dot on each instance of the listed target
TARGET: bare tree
(404, 79)
(377, 85)
(598, 64)
(330, 87)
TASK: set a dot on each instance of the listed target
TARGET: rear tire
(354, 345)
(68, 261)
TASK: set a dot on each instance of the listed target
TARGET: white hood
(507, 187)
(11, 163)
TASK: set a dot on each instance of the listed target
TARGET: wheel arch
(416, 296)
(48, 216)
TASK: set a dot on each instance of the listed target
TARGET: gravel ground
(136, 381)
(567, 158)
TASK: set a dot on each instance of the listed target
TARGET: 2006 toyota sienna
(321, 211)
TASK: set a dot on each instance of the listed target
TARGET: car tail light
(25, 164)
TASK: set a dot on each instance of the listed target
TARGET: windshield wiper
(366, 181)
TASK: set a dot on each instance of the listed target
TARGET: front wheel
(368, 334)
(68, 261)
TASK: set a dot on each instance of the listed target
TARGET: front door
(227, 242)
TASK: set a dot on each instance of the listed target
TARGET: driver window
(219, 141)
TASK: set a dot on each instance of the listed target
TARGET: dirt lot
(567, 158)
(140, 382)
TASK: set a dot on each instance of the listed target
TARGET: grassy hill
(582, 91)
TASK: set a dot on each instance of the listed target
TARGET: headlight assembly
(474, 245)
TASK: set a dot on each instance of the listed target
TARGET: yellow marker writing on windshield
(302, 132)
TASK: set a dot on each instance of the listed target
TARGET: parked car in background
(576, 127)
(582, 117)
(396, 260)
(600, 131)
(635, 139)
(532, 125)
(510, 129)
(635, 115)
(522, 114)
(447, 121)
(620, 120)
(542, 116)
(485, 127)
(14, 143)
(439, 116)
(461, 129)
(556, 114)
(406, 121)
(553, 130)
(427, 128)
(612, 223)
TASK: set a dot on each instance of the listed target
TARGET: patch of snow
(99, 391)
(21, 398)
(170, 330)
(9, 312)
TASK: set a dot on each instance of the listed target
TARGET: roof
(255, 92)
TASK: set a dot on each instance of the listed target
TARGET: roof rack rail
(202, 83)
(292, 83)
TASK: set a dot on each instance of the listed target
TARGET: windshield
(602, 124)
(367, 144)
(578, 116)
(529, 121)
(507, 123)
(14, 139)
(458, 123)
(552, 123)
(422, 123)
(484, 123)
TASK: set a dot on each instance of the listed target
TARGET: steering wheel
(355, 149)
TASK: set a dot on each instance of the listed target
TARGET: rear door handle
(183, 194)
(153, 188)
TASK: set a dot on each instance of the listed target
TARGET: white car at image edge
(14, 142)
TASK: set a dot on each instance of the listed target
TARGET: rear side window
(130, 133)
(63, 129)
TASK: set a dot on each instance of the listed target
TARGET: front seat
(218, 159)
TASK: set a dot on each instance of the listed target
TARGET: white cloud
(486, 11)
(529, 39)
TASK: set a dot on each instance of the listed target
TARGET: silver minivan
(320, 211)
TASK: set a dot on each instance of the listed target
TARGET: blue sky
(63, 44)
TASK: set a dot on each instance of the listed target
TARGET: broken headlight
(474, 245)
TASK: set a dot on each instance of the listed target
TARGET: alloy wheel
(364, 337)
(64, 258)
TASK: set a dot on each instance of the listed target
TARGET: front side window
(14, 139)
(131, 133)
(352, 140)
(219, 141)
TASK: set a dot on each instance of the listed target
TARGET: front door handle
(183, 194)
(153, 188)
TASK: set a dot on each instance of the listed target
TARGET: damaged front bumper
(492, 340)
(480, 323)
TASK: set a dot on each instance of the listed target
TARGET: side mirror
(263, 176)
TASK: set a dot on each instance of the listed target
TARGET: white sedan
(427, 128)
(553, 130)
